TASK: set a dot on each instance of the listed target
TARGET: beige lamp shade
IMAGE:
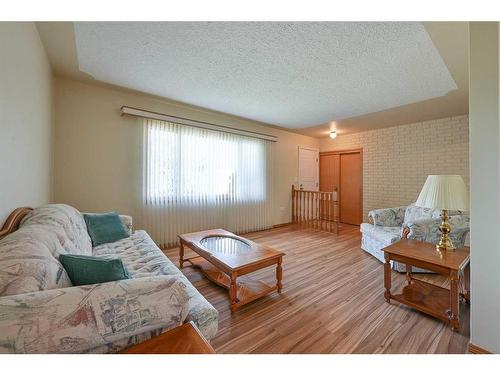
(444, 192)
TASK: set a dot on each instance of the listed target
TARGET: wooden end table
(185, 339)
(227, 259)
(431, 299)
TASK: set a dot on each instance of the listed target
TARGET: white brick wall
(397, 160)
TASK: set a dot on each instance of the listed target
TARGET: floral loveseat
(389, 225)
(41, 312)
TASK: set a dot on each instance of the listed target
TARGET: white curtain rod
(199, 124)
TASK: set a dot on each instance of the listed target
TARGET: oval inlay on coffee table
(227, 245)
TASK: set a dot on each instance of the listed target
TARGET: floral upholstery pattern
(41, 312)
(421, 223)
(375, 238)
(142, 258)
(414, 212)
(383, 235)
(387, 217)
(79, 319)
(28, 261)
(428, 230)
(67, 221)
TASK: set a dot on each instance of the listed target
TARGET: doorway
(308, 174)
(343, 170)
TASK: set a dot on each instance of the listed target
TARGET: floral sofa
(389, 225)
(41, 312)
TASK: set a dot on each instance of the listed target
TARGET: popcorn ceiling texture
(397, 160)
(295, 74)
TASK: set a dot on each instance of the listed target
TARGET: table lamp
(444, 192)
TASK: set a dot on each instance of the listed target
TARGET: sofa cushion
(387, 217)
(414, 212)
(73, 237)
(428, 230)
(27, 262)
(143, 258)
(105, 228)
(384, 235)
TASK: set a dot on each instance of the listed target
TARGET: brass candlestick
(445, 243)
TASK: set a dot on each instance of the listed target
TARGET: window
(196, 179)
(186, 163)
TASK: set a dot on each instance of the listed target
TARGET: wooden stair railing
(315, 209)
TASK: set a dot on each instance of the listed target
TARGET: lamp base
(445, 243)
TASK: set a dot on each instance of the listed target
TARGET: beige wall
(25, 119)
(485, 184)
(397, 160)
(98, 152)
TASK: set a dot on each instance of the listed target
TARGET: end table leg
(409, 270)
(454, 312)
(387, 279)
(233, 293)
(279, 275)
(467, 283)
(181, 254)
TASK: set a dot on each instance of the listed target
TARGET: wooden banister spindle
(323, 211)
(336, 218)
(333, 213)
(318, 205)
(308, 208)
(301, 207)
(305, 207)
(315, 203)
(319, 210)
(315, 210)
(328, 216)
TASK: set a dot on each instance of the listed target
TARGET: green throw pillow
(85, 270)
(104, 228)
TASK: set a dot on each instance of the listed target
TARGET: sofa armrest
(427, 230)
(127, 223)
(78, 319)
(387, 217)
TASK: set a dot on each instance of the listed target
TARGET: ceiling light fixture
(333, 134)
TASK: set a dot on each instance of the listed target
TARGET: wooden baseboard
(282, 225)
(474, 349)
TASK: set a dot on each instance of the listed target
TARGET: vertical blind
(197, 179)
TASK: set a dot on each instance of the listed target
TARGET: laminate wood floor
(332, 302)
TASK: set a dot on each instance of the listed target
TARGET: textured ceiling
(295, 75)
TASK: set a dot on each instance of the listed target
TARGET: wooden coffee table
(431, 299)
(227, 259)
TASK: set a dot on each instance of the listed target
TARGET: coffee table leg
(233, 293)
(181, 255)
(454, 314)
(387, 279)
(279, 275)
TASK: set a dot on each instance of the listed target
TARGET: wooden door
(329, 168)
(350, 192)
(308, 169)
